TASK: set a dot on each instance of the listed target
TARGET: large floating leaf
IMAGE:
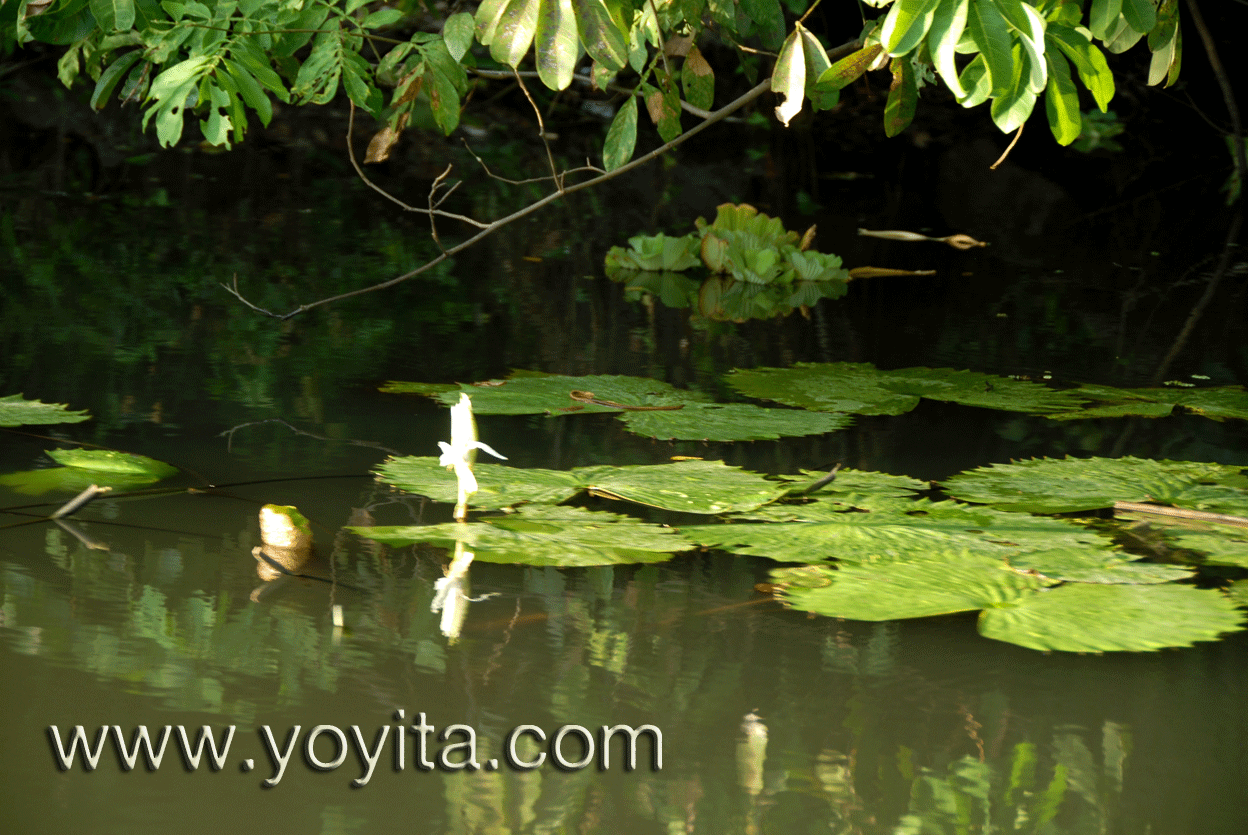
(861, 388)
(1238, 593)
(17, 411)
(68, 479)
(686, 486)
(1049, 485)
(553, 394)
(898, 531)
(110, 462)
(562, 536)
(1082, 617)
(1216, 403)
(1221, 544)
(1087, 566)
(498, 485)
(935, 584)
(731, 422)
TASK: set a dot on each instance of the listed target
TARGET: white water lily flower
(460, 452)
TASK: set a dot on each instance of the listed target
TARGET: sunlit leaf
(601, 35)
(1086, 566)
(1103, 15)
(554, 394)
(860, 388)
(1082, 617)
(731, 422)
(789, 78)
(457, 32)
(556, 43)
(896, 532)
(847, 70)
(621, 136)
(68, 480)
(514, 31)
(903, 96)
(1048, 485)
(108, 461)
(1219, 544)
(906, 24)
(1061, 102)
(991, 34)
(15, 410)
(113, 15)
(706, 487)
(497, 485)
(948, 23)
(558, 536)
(940, 583)
(698, 80)
(1238, 593)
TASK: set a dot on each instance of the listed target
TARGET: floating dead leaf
(958, 241)
(808, 238)
(879, 272)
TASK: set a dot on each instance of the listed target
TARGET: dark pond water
(771, 721)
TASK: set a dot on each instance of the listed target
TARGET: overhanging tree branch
(489, 229)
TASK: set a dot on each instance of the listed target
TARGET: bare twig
(1228, 92)
(360, 172)
(667, 68)
(1181, 513)
(541, 131)
(489, 229)
(586, 167)
(1008, 148)
(433, 189)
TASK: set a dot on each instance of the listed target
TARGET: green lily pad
(686, 486)
(1081, 617)
(1221, 544)
(427, 389)
(534, 394)
(113, 463)
(935, 584)
(69, 480)
(656, 253)
(498, 485)
(1086, 566)
(1238, 593)
(17, 411)
(1049, 485)
(899, 532)
(863, 389)
(559, 536)
(1217, 403)
(731, 422)
(833, 387)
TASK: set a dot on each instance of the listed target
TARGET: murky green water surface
(147, 610)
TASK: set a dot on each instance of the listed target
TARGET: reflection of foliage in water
(132, 297)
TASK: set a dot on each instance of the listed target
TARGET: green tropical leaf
(948, 24)
(514, 32)
(1049, 485)
(457, 32)
(169, 94)
(601, 34)
(903, 97)
(556, 43)
(1088, 60)
(1238, 593)
(558, 536)
(1141, 15)
(789, 78)
(1103, 15)
(621, 136)
(113, 15)
(1082, 617)
(991, 34)
(1219, 544)
(16, 410)
(110, 78)
(1061, 101)
(906, 24)
(847, 70)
